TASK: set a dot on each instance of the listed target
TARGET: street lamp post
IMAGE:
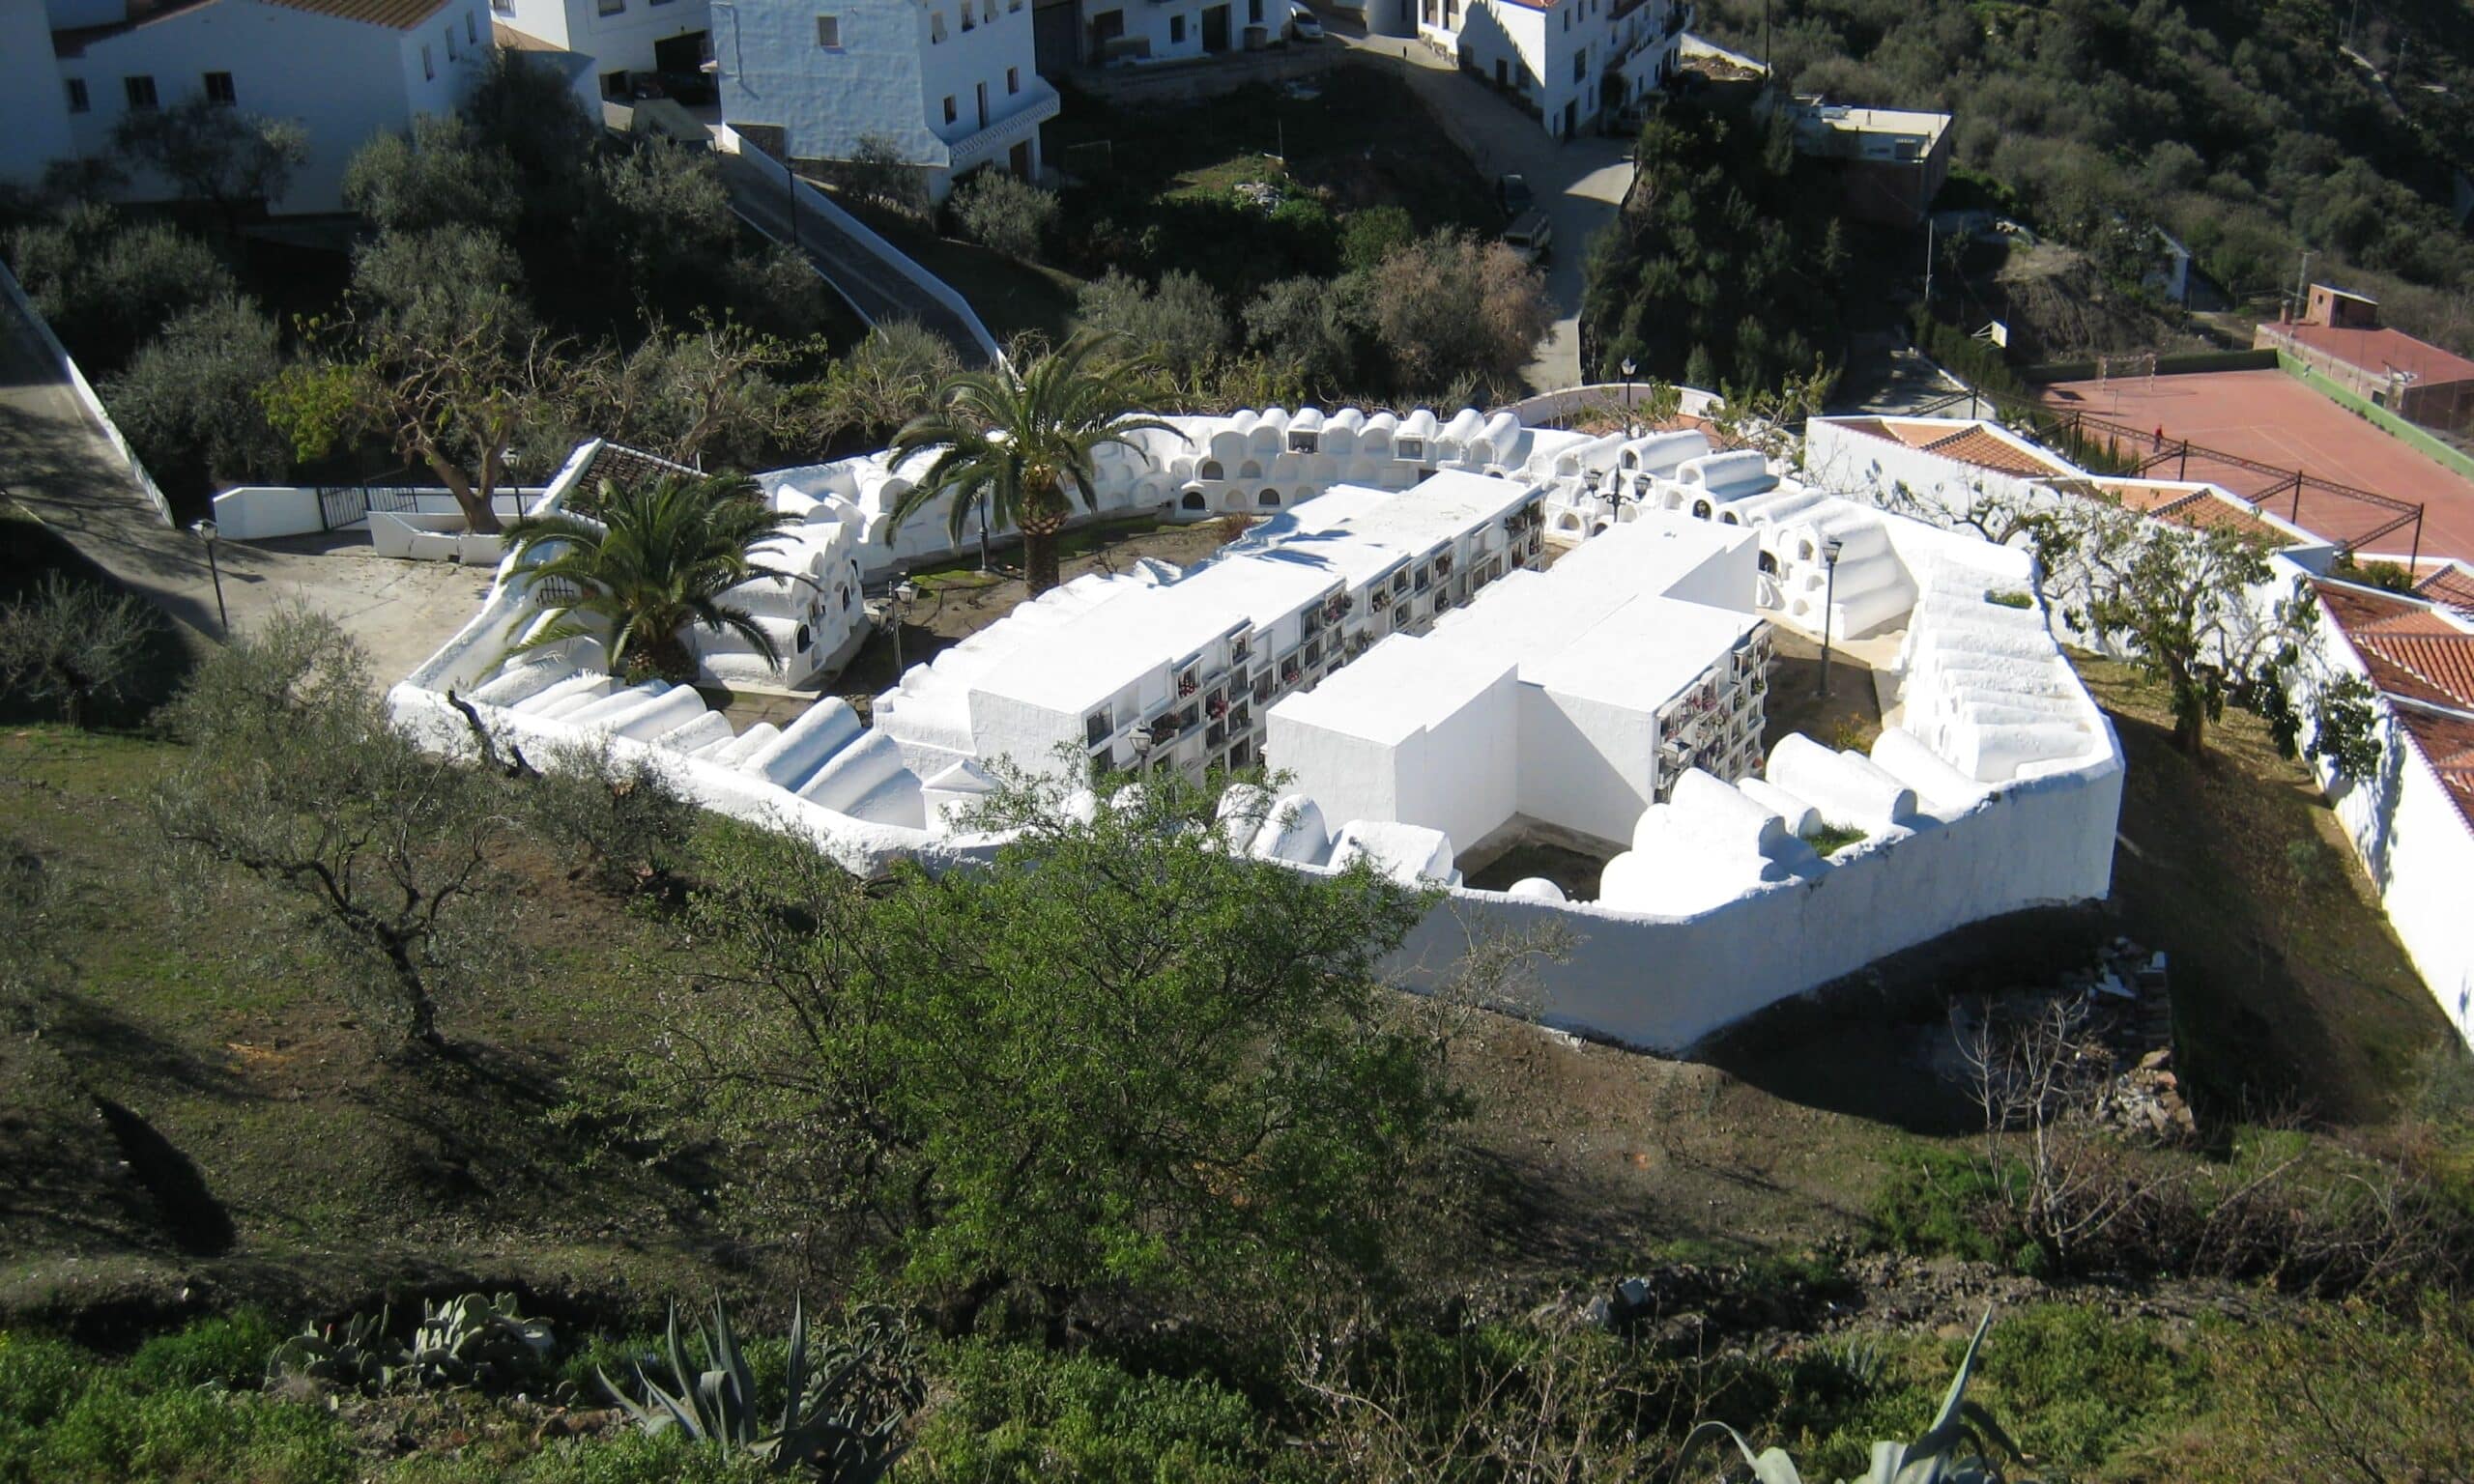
(207, 532)
(1628, 369)
(904, 594)
(1829, 599)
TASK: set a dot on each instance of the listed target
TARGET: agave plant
(477, 1340)
(840, 1412)
(357, 1355)
(1951, 1451)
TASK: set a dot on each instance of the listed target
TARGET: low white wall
(85, 394)
(1667, 982)
(432, 539)
(261, 512)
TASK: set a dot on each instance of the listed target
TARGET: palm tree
(1013, 442)
(657, 559)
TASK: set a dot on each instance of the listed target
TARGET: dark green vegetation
(2241, 127)
(1725, 264)
(1127, 1142)
(521, 277)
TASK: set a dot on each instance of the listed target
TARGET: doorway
(1215, 29)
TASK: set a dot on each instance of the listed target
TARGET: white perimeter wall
(1664, 983)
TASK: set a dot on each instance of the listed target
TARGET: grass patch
(1829, 837)
(2287, 992)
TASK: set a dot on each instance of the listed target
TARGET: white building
(344, 70)
(1182, 672)
(619, 36)
(1167, 30)
(1573, 697)
(949, 83)
(1573, 63)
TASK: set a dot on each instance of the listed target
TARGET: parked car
(1530, 235)
(1511, 193)
(1303, 25)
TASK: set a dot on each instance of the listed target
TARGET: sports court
(2272, 417)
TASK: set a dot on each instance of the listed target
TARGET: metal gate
(344, 505)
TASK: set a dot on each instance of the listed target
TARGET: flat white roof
(1598, 624)
(1346, 536)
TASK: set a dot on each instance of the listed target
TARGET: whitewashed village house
(950, 83)
(344, 70)
(619, 36)
(1570, 61)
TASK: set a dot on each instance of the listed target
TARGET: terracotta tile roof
(2411, 650)
(2451, 586)
(398, 14)
(2448, 743)
(2377, 351)
(1986, 450)
(509, 38)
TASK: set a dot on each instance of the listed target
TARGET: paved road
(1580, 183)
(874, 288)
(58, 464)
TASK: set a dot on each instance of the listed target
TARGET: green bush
(633, 1457)
(1011, 215)
(112, 1433)
(228, 1351)
(1016, 1414)
(1939, 1203)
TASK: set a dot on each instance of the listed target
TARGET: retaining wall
(85, 394)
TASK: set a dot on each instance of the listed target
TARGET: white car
(1302, 23)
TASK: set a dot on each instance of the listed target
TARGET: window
(828, 32)
(429, 69)
(218, 89)
(1580, 64)
(1013, 79)
(1011, 6)
(502, 7)
(77, 101)
(450, 44)
(1254, 12)
(970, 23)
(471, 29)
(935, 25)
(141, 92)
(613, 7)
(951, 113)
(1176, 30)
(982, 91)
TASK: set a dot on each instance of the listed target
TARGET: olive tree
(215, 154)
(296, 774)
(73, 645)
(1122, 1055)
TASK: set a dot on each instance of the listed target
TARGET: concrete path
(867, 282)
(57, 465)
(1580, 183)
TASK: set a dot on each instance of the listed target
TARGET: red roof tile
(2411, 649)
(2451, 586)
(1986, 450)
(2382, 350)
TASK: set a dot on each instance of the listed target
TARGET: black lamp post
(1829, 600)
(904, 593)
(1628, 369)
(207, 532)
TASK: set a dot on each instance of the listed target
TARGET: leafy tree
(879, 173)
(1369, 235)
(1121, 1056)
(105, 283)
(1306, 323)
(525, 109)
(73, 645)
(681, 394)
(295, 773)
(215, 154)
(664, 215)
(1017, 442)
(1179, 323)
(439, 356)
(652, 561)
(1450, 307)
(1005, 212)
(888, 379)
(189, 401)
(440, 174)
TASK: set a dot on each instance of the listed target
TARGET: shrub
(38, 1378)
(1005, 212)
(113, 1434)
(622, 824)
(75, 645)
(229, 1351)
(1017, 1415)
(1369, 235)
(1180, 322)
(1938, 1203)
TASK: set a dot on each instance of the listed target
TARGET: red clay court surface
(2272, 417)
